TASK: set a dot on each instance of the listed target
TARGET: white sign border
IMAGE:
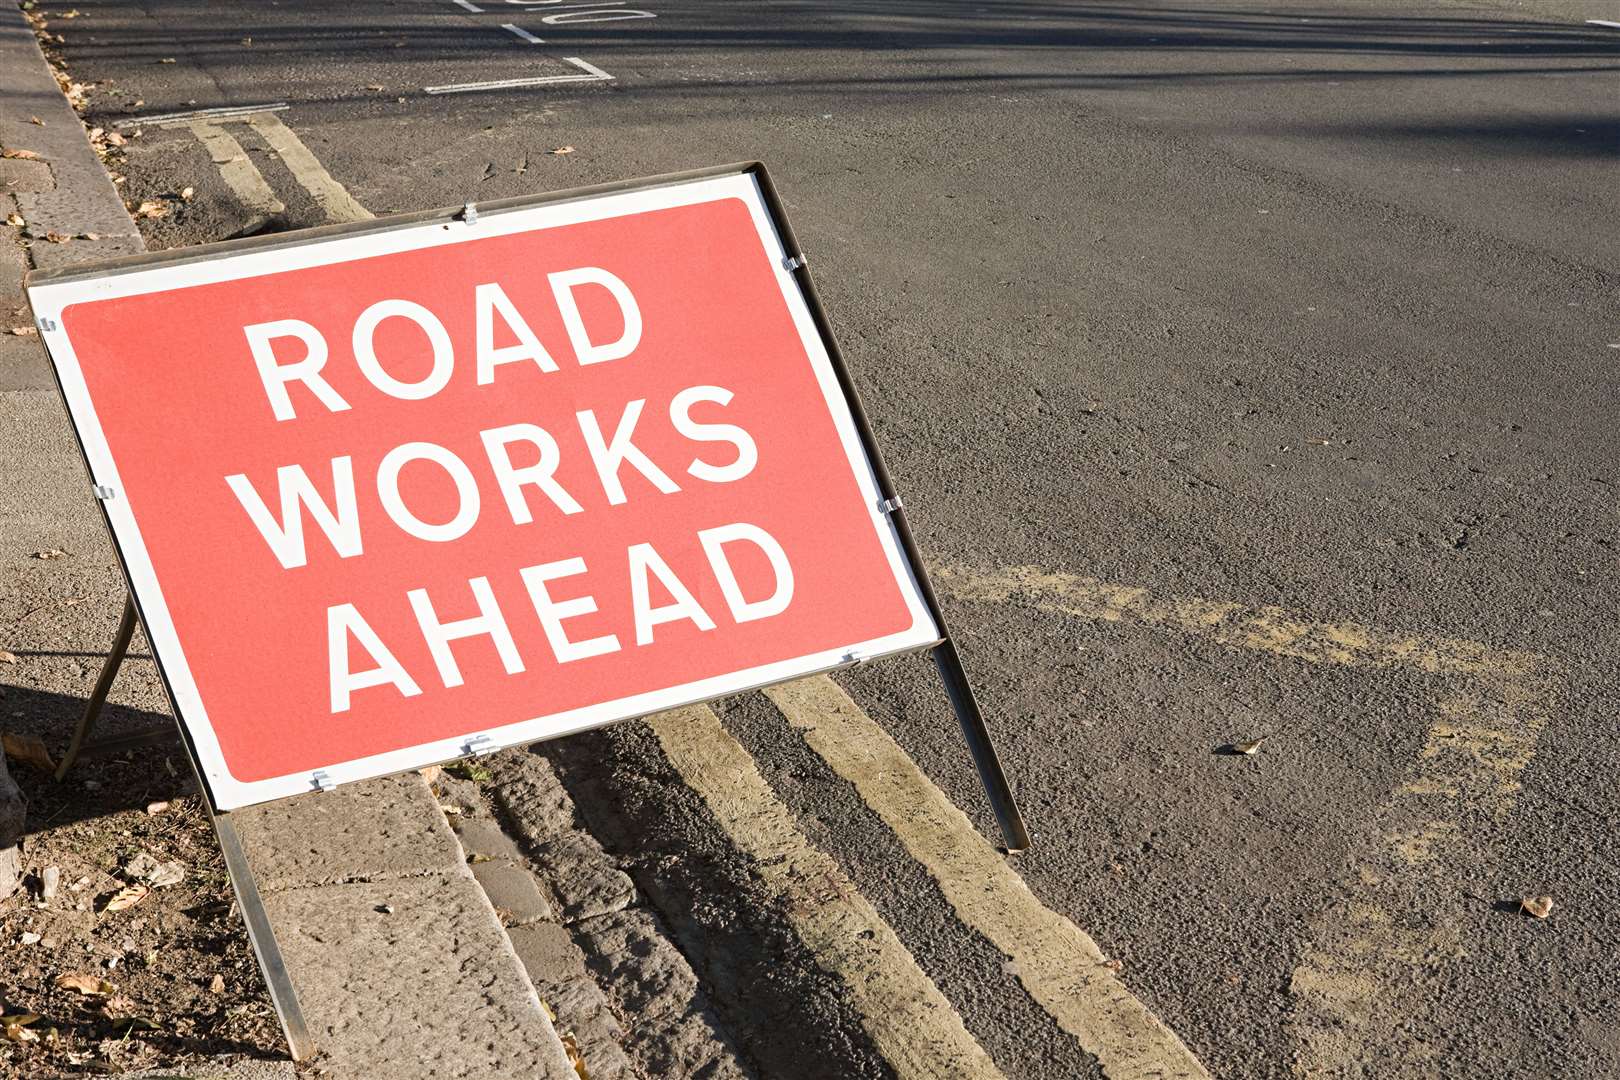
(51, 298)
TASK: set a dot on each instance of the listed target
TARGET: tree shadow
(921, 45)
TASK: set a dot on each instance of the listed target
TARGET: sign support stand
(98, 698)
(946, 658)
(263, 937)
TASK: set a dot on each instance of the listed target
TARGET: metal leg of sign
(104, 682)
(260, 934)
(980, 746)
(282, 994)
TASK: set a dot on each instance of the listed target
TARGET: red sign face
(390, 497)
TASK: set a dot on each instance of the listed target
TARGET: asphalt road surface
(1249, 371)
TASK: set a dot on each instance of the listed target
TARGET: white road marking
(239, 173)
(220, 112)
(600, 15)
(592, 74)
(910, 1022)
(524, 34)
(1058, 964)
(1603, 22)
(330, 195)
(470, 6)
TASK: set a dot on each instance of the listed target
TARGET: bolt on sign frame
(52, 293)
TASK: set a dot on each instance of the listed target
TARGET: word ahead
(416, 490)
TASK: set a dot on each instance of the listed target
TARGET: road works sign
(393, 493)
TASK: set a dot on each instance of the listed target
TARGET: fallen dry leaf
(49, 553)
(36, 121)
(15, 221)
(22, 331)
(18, 1033)
(7, 656)
(88, 985)
(563, 150)
(1538, 906)
(115, 139)
(1115, 965)
(166, 60)
(30, 938)
(186, 193)
(55, 237)
(143, 869)
(28, 750)
(155, 808)
(19, 155)
(374, 86)
(128, 896)
(216, 985)
(575, 1058)
(1250, 747)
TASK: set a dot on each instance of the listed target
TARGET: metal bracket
(793, 262)
(479, 745)
(47, 324)
(889, 506)
(469, 213)
(102, 492)
(320, 781)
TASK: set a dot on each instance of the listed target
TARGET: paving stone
(513, 892)
(413, 978)
(372, 830)
(582, 877)
(484, 836)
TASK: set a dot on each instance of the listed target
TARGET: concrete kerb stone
(608, 970)
(81, 198)
(65, 190)
(514, 892)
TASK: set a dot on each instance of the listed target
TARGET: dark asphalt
(1306, 305)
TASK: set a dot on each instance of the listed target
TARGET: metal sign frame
(944, 652)
(946, 659)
